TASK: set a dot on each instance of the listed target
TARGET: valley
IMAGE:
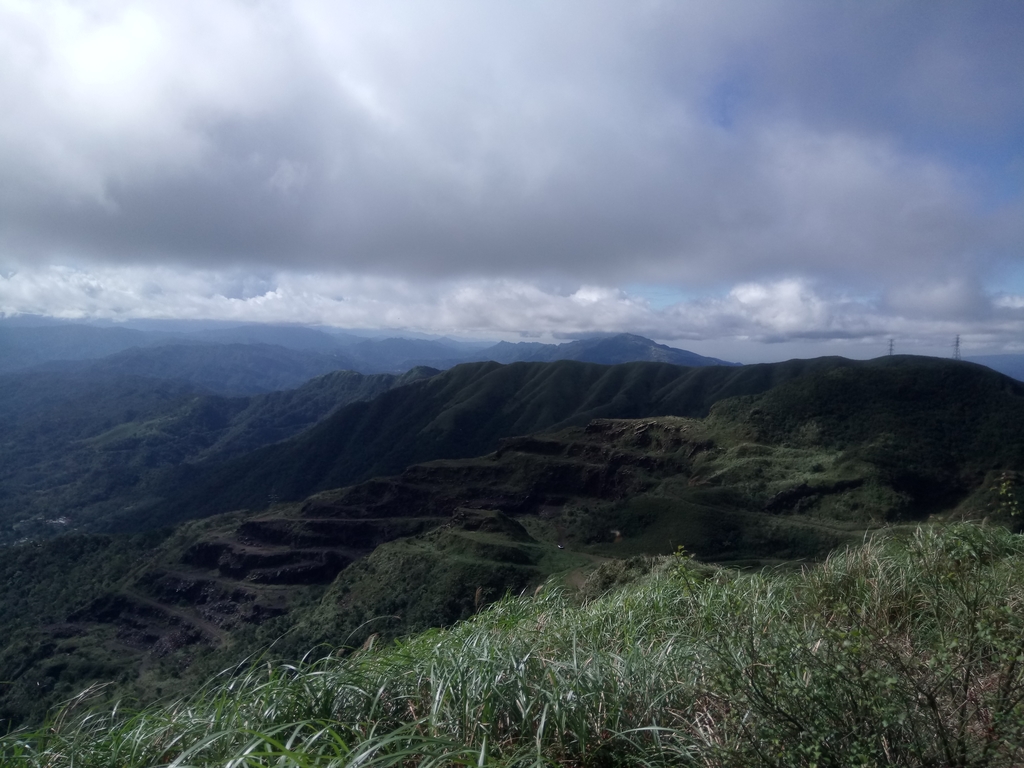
(78, 449)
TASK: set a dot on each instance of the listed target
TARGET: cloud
(784, 311)
(955, 299)
(456, 139)
(485, 152)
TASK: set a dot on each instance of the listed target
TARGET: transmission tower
(890, 346)
(956, 348)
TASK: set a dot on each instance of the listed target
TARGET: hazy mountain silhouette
(607, 350)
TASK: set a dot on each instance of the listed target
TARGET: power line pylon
(890, 346)
(956, 348)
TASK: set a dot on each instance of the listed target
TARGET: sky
(747, 179)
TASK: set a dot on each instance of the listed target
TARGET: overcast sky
(749, 179)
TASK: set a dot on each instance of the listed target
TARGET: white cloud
(788, 306)
(511, 139)
(953, 298)
(785, 161)
(788, 310)
(1009, 302)
(124, 93)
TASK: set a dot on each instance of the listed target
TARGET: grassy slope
(786, 475)
(901, 652)
(748, 485)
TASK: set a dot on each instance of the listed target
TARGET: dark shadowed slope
(253, 358)
(276, 416)
(76, 447)
(938, 425)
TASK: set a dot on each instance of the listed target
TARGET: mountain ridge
(463, 412)
(606, 350)
(161, 349)
(836, 449)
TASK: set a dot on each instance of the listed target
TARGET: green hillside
(462, 412)
(904, 651)
(785, 476)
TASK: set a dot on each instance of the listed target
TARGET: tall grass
(901, 652)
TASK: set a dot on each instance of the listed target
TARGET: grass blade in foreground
(906, 651)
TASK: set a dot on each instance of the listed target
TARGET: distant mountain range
(250, 359)
(605, 350)
(1009, 365)
(29, 342)
(94, 418)
(225, 368)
